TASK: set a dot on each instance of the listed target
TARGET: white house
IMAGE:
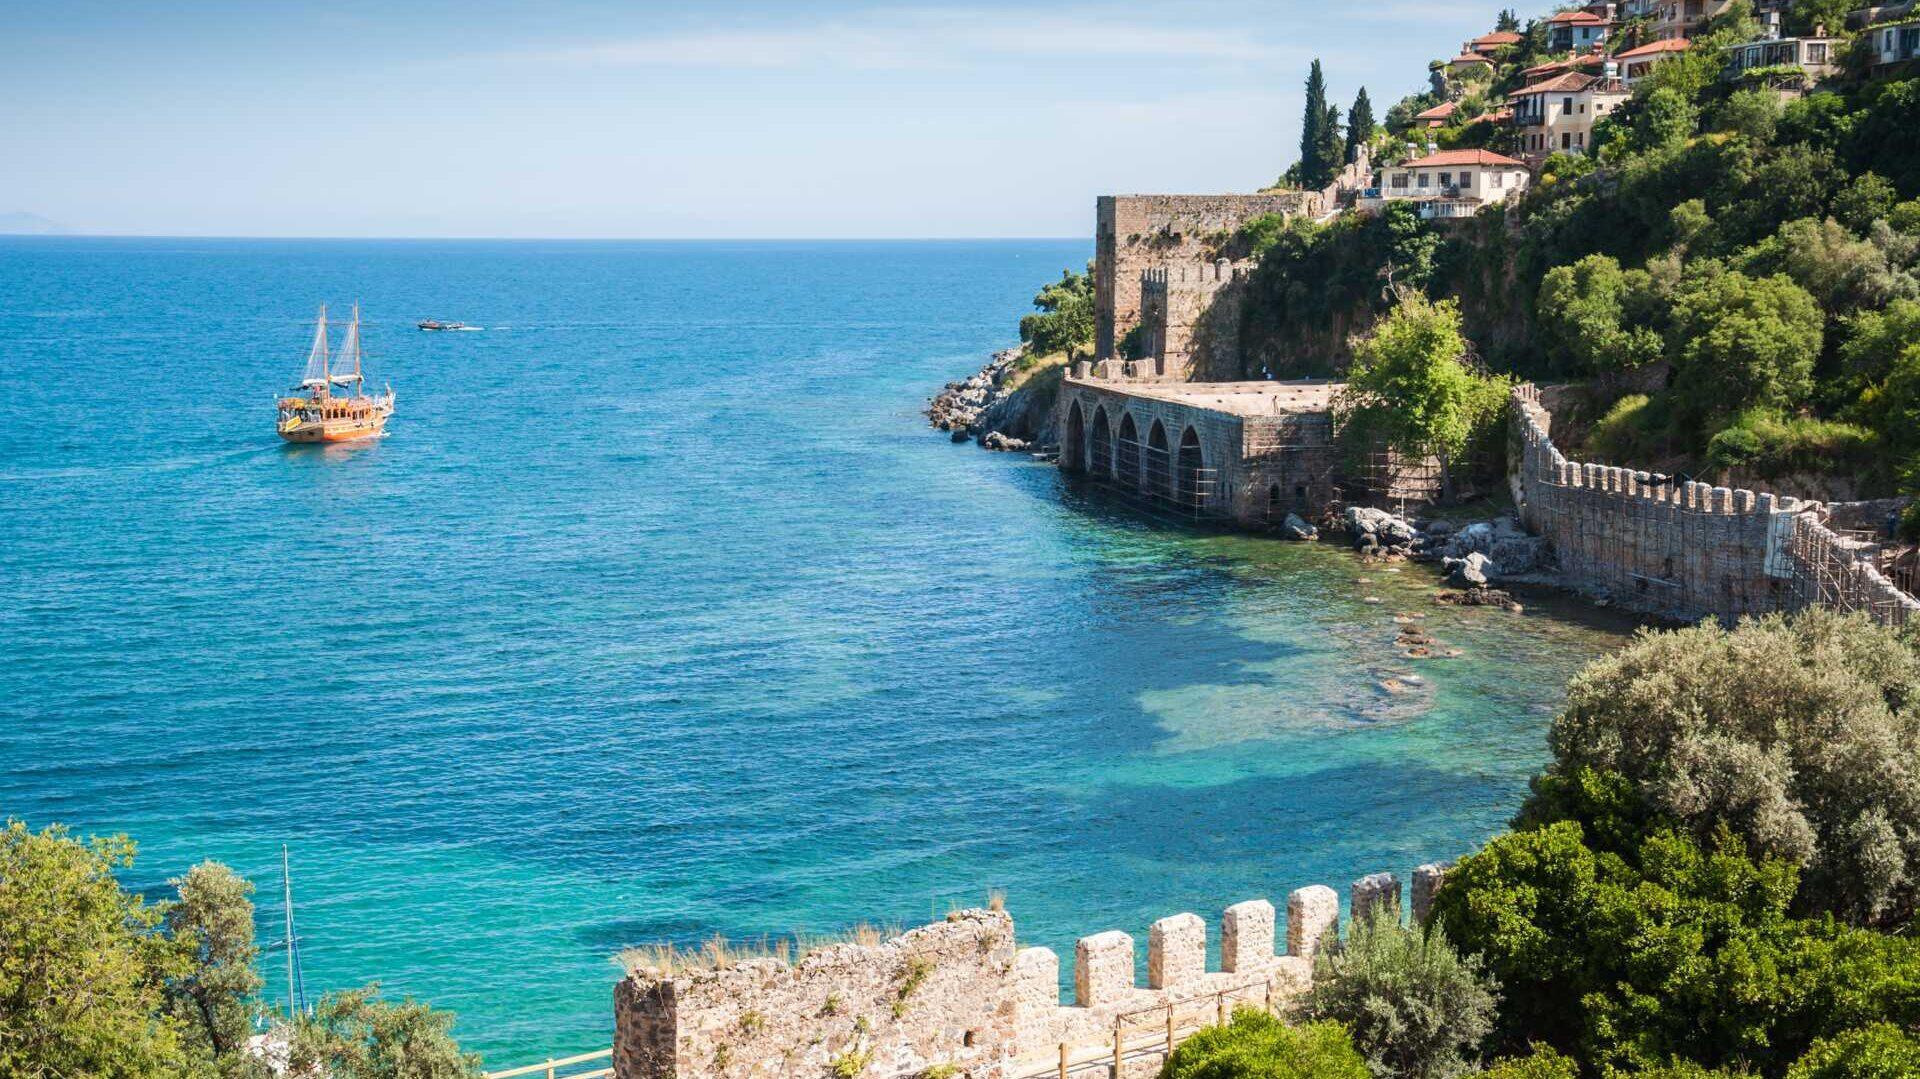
(1454, 183)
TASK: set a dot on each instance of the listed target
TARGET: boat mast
(296, 987)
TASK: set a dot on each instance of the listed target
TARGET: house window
(1400, 180)
(1566, 105)
(1446, 179)
(1426, 180)
(1566, 141)
(1496, 179)
(1816, 54)
(1579, 138)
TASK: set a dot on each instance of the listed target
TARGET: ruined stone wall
(958, 993)
(1685, 549)
(1190, 318)
(1137, 233)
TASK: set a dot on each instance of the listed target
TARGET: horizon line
(529, 239)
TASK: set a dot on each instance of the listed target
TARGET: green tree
(1878, 1051)
(1739, 341)
(1416, 1009)
(1667, 953)
(213, 920)
(82, 964)
(1410, 391)
(1507, 22)
(1255, 1045)
(1065, 319)
(1360, 125)
(1875, 341)
(1542, 1063)
(356, 1035)
(1662, 120)
(1842, 272)
(1315, 170)
(1866, 198)
(1753, 113)
(1779, 733)
(1331, 146)
(1593, 316)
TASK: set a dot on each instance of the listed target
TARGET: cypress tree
(1508, 21)
(1359, 125)
(1330, 146)
(1315, 170)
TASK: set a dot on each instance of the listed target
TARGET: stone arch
(1100, 453)
(1159, 461)
(1073, 449)
(1127, 451)
(1191, 487)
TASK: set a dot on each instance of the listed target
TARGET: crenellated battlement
(1685, 548)
(959, 992)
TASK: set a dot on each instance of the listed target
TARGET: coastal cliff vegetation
(98, 983)
(1740, 264)
(1714, 878)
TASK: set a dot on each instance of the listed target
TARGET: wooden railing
(559, 1069)
(1170, 1024)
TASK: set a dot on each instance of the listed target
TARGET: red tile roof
(1577, 18)
(1571, 83)
(1551, 66)
(1496, 39)
(1652, 48)
(1469, 58)
(1438, 112)
(1461, 157)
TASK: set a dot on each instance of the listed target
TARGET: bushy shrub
(1798, 735)
(1255, 1044)
(1593, 316)
(1542, 1063)
(1741, 341)
(1768, 444)
(1416, 1009)
(1065, 319)
(1879, 1051)
(1666, 951)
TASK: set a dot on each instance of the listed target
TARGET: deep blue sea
(661, 613)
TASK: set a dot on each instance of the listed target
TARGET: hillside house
(1488, 45)
(1576, 31)
(1682, 18)
(1454, 183)
(1590, 61)
(1818, 57)
(1558, 115)
(1470, 65)
(1437, 116)
(1893, 43)
(1637, 63)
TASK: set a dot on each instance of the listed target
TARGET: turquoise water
(660, 613)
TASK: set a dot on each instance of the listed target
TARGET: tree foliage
(1410, 389)
(212, 920)
(1065, 319)
(1360, 125)
(1319, 131)
(1740, 341)
(356, 1035)
(1595, 317)
(1255, 1044)
(83, 965)
(1417, 1010)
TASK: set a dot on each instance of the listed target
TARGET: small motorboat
(434, 324)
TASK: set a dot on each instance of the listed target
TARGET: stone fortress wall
(1174, 241)
(1251, 452)
(960, 992)
(1687, 549)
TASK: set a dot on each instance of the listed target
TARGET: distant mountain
(21, 223)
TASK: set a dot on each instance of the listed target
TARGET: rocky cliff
(1006, 405)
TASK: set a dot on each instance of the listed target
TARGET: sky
(587, 118)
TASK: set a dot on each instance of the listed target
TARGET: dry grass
(996, 900)
(719, 953)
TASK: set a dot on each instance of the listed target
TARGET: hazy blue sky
(576, 118)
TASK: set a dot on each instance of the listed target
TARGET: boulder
(1295, 528)
(1395, 531)
(1365, 520)
(1514, 555)
(961, 434)
(1469, 572)
(1439, 529)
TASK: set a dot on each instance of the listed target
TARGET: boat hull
(333, 431)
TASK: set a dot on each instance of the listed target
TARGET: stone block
(1102, 968)
(1426, 884)
(1176, 951)
(1246, 936)
(1313, 913)
(1036, 978)
(1376, 890)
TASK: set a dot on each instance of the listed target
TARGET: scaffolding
(1846, 570)
(1162, 485)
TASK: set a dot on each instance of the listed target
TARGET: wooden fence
(567, 1068)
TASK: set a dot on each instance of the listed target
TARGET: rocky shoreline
(1476, 556)
(988, 407)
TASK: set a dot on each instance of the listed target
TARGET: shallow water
(660, 613)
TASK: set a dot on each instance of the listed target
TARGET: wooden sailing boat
(317, 413)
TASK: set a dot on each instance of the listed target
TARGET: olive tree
(1801, 736)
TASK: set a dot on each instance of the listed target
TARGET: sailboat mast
(286, 883)
(356, 346)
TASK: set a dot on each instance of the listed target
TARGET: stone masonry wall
(1684, 549)
(1137, 233)
(958, 993)
(1263, 466)
(1191, 319)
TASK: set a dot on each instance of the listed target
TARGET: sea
(660, 613)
